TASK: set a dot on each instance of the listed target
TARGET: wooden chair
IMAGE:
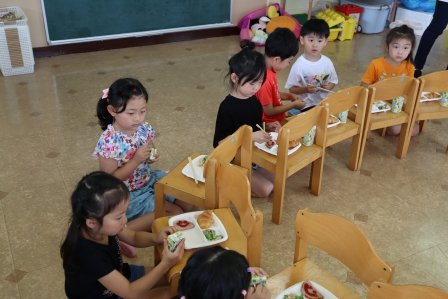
(340, 239)
(344, 100)
(237, 146)
(436, 82)
(386, 90)
(246, 236)
(381, 290)
(234, 187)
(284, 165)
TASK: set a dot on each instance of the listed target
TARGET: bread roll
(205, 219)
(293, 143)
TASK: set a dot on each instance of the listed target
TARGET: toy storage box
(244, 23)
(16, 52)
(374, 16)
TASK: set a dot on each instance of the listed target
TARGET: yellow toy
(341, 26)
(272, 12)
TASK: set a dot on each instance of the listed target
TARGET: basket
(16, 52)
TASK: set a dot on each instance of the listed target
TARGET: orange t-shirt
(379, 69)
(269, 94)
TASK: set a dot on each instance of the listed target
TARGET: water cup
(397, 104)
(308, 139)
(444, 99)
(343, 116)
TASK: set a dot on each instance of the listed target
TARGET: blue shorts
(142, 200)
(137, 272)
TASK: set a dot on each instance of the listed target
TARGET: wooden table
(236, 241)
(180, 187)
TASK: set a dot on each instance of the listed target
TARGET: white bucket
(374, 17)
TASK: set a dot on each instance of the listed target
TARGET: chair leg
(383, 132)
(405, 139)
(316, 175)
(278, 197)
(354, 152)
(422, 125)
(363, 146)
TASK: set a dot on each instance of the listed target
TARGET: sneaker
(417, 73)
(127, 250)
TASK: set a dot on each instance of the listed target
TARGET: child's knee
(394, 130)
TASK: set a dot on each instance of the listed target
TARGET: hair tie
(105, 94)
(250, 270)
(183, 297)
(244, 292)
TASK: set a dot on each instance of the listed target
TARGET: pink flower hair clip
(105, 94)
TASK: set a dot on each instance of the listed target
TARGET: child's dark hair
(248, 64)
(214, 273)
(402, 32)
(317, 26)
(282, 42)
(96, 195)
(120, 92)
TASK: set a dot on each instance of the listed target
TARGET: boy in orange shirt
(280, 49)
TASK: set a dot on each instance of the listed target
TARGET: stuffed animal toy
(259, 34)
(272, 12)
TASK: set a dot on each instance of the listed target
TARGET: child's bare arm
(302, 90)
(328, 86)
(143, 239)
(271, 110)
(119, 285)
(111, 165)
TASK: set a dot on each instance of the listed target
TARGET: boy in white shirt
(312, 73)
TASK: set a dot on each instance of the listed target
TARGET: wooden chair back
(387, 90)
(234, 188)
(284, 165)
(435, 82)
(342, 240)
(353, 99)
(381, 290)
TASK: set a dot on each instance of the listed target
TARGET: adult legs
(435, 28)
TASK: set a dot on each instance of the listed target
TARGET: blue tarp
(422, 5)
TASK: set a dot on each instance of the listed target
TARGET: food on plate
(309, 292)
(270, 143)
(152, 153)
(293, 143)
(293, 296)
(212, 235)
(205, 219)
(202, 161)
(332, 119)
(174, 240)
(183, 225)
(431, 95)
(381, 105)
(256, 280)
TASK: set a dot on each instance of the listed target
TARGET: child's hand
(311, 89)
(172, 258)
(299, 103)
(273, 126)
(142, 153)
(287, 96)
(328, 86)
(166, 231)
(261, 136)
(258, 292)
(258, 271)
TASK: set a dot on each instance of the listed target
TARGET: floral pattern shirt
(121, 147)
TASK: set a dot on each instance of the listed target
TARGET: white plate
(273, 150)
(425, 97)
(198, 169)
(380, 106)
(334, 124)
(194, 237)
(295, 289)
